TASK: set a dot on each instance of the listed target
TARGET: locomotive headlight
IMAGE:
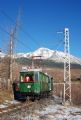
(29, 86)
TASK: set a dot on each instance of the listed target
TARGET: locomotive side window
(36, 76)
(22, 78)
(47, 79)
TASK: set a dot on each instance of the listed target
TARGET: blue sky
(40, 20)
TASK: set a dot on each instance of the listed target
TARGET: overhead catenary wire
(11, 19)
(59, 44)
(20, 42)
(25, 32)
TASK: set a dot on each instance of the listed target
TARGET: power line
(25, 32)
(59, 44)
(7, 16)
(23, 44)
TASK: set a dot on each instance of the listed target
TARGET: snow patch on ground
(7, 103)
(48, 111)
(3, 106)
(56, 112)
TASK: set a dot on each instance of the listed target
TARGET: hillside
(45, 63)
(47, 54)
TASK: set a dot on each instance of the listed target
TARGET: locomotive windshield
(26, 77)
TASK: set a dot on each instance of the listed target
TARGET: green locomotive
(33, 83)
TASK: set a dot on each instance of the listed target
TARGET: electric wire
(20, 42)
(25, 32)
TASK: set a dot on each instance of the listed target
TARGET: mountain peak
(48, 54)
(44, 52)
(57, 56)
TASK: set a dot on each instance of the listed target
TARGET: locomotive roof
(31, 70)
(35, 70)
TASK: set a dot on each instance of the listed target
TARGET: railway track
(24, 111)
(13, 106)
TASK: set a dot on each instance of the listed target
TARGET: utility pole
(11, 53)
(12, 37)
(32, 62)
(67, 74)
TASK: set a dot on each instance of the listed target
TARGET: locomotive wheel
(38, 97)
(33, 98)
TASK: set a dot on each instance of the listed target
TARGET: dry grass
(58, 74)
(76, 94)
(76, 85)
(5, 95)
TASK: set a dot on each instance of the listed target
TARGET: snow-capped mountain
(45, 53)
(19, 55)
(54, 55)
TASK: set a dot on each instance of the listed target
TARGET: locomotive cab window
(28, 78)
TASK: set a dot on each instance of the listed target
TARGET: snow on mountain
(45, 53)
(19, 55)
(2, 54)
(54, 55)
